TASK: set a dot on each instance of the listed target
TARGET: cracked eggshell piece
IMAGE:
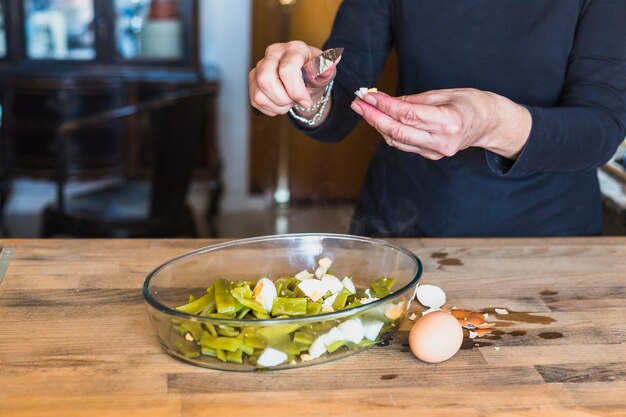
(501, 311)
(332, 283)
(349, 285)
(371, 329)
(352, 330)
(313, 288)
(430, 310)
(363, 91)
(304, 275)
(271, 357)
(430, 296)
(264, 293)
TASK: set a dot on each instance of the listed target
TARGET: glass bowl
(181, 334)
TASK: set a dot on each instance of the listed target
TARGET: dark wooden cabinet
(61, 60)
(64, 59)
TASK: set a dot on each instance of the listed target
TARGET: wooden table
(75, 339)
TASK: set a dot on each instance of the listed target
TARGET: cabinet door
(149, 31)
(3, 32)
(60, 30)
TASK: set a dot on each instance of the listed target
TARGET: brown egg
(436, 337)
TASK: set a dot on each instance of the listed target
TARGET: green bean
(253, 339)
(313, 308)
(382, 286)
(194, 328)
(289, 306)
(223, 298)
(340, 300)
(229, 344)
(236, 357)
(196, 306)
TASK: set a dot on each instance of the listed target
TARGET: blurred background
(130, 118)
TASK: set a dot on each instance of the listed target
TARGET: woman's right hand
(276, 84)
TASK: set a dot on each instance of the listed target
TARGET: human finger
(268, 82)
(424, 117)
(435, 156)
(388, 126)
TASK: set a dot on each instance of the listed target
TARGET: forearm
(565, 139)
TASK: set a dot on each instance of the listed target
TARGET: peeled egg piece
(430, 296)
(436, 337)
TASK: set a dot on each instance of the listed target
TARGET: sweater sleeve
(363, 28)
(585, 129)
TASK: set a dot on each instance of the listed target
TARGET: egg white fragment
(363, 91)
(324, 266)
(327, 305)
(371, 329)
(271, 357)
(264, 293)
(318, 347)
(430, 296)
(332, 283)
(349, 285)
(303, 275)
(313, 288)
(334, 335)
(352, 330)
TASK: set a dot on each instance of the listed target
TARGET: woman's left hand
(441, 123)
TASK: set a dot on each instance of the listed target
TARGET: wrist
(511, 128)
(317, 113)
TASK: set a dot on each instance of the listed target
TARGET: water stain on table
(520, 316)
(444, 260)
(550, 335)
(450, 262)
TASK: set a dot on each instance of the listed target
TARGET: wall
(225, 26)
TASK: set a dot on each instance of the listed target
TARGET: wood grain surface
(75, 339)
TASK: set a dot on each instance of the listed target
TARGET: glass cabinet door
(60, 29)
(149, 29)
(3, 33)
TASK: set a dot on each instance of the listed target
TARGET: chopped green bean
(230, 344)
(289, 306)
(223, 298)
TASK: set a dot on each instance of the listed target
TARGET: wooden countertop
(75, 339)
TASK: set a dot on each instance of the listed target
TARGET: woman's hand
(441, 123)
(276, 83)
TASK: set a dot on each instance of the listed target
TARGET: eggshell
(436, 337)
(430, 296)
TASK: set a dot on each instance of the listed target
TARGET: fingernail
(357, 109)
(369, 99)
(306, 104)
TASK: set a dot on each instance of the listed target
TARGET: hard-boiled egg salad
(304, 294)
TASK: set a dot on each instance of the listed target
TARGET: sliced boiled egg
(264, 293)
(271, 357)
(332, 283)
(313, 288)
(349, 285)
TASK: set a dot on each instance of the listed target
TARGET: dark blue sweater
(562, 59)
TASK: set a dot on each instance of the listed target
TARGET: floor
(30, 198)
